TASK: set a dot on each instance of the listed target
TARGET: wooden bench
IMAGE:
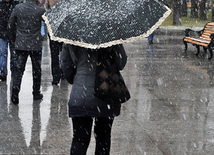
(204, 39)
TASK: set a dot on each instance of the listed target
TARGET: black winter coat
(82, 100)
(25, 26)
(5, 11)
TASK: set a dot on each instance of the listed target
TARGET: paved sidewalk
(175, 30)
(171, 111)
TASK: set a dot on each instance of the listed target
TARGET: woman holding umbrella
(84, 107)
(98, 27)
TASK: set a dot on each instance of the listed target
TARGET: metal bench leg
(211, 53)
(205, 49)
(185, 44)
(198, 50)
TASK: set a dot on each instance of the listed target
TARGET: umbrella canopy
(102, 23)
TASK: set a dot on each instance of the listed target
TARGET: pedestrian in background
(84, 107)
(50, 3)
(55, 48)
(150, 38)
(25, 31)
(43, 27)
(6, 7)
(42, 2)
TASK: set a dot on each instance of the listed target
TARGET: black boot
(38, 96)
(15, 96)
(3, 78)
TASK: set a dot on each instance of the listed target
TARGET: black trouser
(55, 48)
(82, 134)
(13, 58)
(22, 56)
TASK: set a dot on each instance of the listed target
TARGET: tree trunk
(212, 6)
(202, 10)
(177, 12)
(184, 8)
(165, 2)
(194, 9)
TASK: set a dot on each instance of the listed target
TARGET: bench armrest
(187, 31)
(212, 35)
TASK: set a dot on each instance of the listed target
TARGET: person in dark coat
(50, 3)
(43, 26)
(25, 31)
(55, 48)
(6, 7)
(150, 38)
(84, 106)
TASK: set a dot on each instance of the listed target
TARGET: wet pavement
(171, 111)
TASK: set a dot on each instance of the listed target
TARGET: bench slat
(210, 24)
(197, 41)
(208, 32)
(205, 37)
(208, 39)
(208, 27)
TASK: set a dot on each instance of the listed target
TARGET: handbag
(109, 84)
(68, 63)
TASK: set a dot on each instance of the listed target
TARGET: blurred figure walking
(150, 38)
(50, 3)
(25, 31)
(6, 7)
(43, 27)
(55, 48)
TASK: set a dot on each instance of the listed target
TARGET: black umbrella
(103, 23)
